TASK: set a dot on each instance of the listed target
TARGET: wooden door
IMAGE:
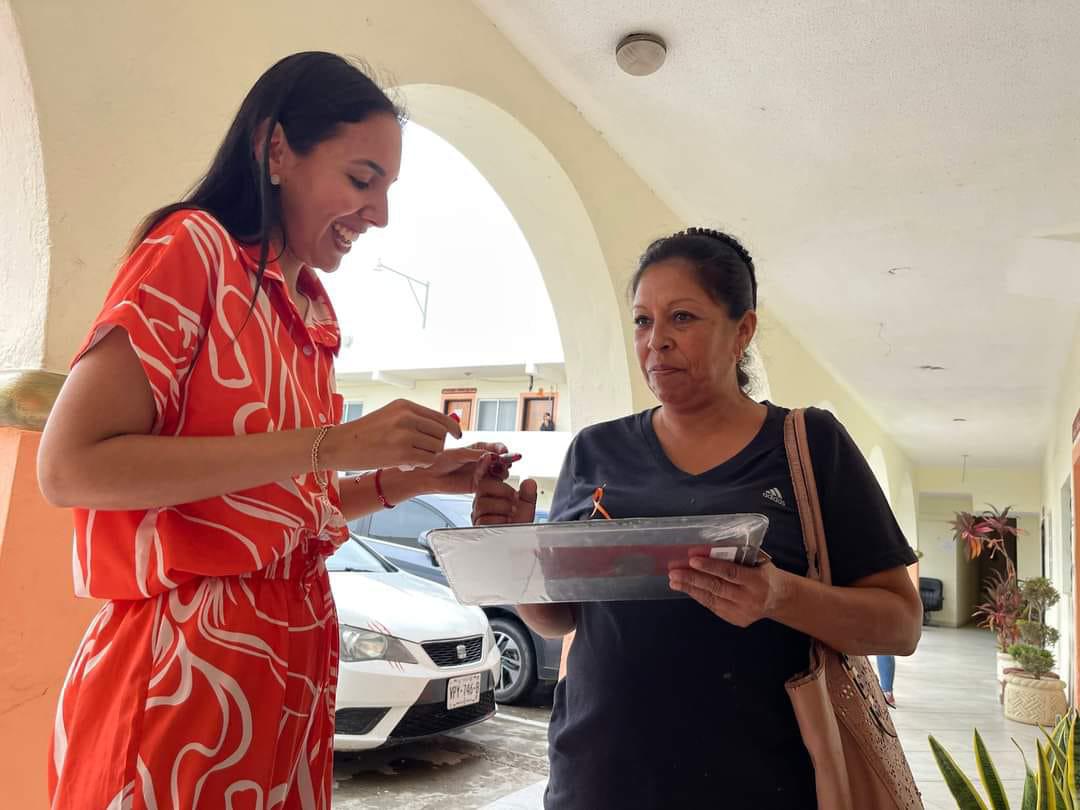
(536, 408)
(463, 408)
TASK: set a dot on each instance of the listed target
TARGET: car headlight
(358, 644)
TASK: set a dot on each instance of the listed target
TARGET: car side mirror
(425, 543)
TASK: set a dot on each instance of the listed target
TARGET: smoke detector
(641, 54)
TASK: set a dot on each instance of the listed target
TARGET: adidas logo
(774, 495)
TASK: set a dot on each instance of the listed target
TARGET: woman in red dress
(197, 439)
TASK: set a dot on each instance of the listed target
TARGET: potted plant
(988, 531)
(1000, 613)
(1034, 694)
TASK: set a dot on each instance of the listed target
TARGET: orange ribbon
(598, 495)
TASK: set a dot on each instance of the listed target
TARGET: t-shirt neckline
(645, 424)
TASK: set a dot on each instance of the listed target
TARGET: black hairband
(732, 243)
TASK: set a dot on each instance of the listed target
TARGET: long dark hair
(310, 94)
(724, 270)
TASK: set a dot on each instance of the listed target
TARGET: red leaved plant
(1002, 609)
(1004, 602)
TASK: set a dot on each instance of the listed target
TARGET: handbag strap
(806, 496)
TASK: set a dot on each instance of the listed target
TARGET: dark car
(528, 660)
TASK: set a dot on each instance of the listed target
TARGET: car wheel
(518, 668)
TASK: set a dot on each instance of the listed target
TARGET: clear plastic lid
(588, 561)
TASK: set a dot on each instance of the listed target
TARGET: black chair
(932, 592)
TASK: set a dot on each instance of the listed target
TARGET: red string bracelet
(379, 490)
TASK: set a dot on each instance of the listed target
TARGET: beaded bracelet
(324, 481)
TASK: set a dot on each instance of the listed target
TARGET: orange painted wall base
(41, 621)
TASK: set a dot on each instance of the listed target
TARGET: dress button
(322, 419)
(308, 351)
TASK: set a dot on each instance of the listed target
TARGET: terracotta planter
(1037, 702)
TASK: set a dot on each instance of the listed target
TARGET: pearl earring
(275, 180)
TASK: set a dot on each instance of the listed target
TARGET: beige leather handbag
(845, 724)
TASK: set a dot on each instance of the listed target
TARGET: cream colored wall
(1029, 547)
(1056, 473)
(1057, 461)
(974, 489)
(1019, 487)
(797, 378)
(943, 559)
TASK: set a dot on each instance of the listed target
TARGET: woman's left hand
(738, 594)
(458, 471)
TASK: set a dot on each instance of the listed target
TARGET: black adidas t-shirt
(665, 705)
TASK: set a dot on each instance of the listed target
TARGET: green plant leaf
(1055, 754)
(1072, 769)
(1062, 736)
(1059, 798)
(1031, 791)
(1045, 781)
(967, 798)
(995, 791)
(1060, 731)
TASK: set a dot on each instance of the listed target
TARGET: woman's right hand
(397, 435)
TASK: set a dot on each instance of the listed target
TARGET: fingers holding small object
(732, 572)
(683, 579)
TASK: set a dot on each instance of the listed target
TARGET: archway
(553, 218)
(24, 217)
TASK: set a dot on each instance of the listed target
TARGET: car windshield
(355, 556)
(457, 510)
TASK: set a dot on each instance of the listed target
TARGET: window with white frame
(497, 414)
(353, 410)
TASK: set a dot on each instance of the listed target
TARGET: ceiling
(907, 176)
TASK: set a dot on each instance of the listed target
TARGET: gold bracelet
(324, 482)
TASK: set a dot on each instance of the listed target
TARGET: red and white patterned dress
(207, 679)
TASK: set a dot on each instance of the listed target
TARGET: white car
(414, 662)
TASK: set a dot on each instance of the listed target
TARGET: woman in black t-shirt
(680, 703)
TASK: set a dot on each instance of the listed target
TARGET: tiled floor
(946, 689)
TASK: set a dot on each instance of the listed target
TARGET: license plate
(463, 691)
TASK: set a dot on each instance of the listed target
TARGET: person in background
(548, 423)
(887, 673)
